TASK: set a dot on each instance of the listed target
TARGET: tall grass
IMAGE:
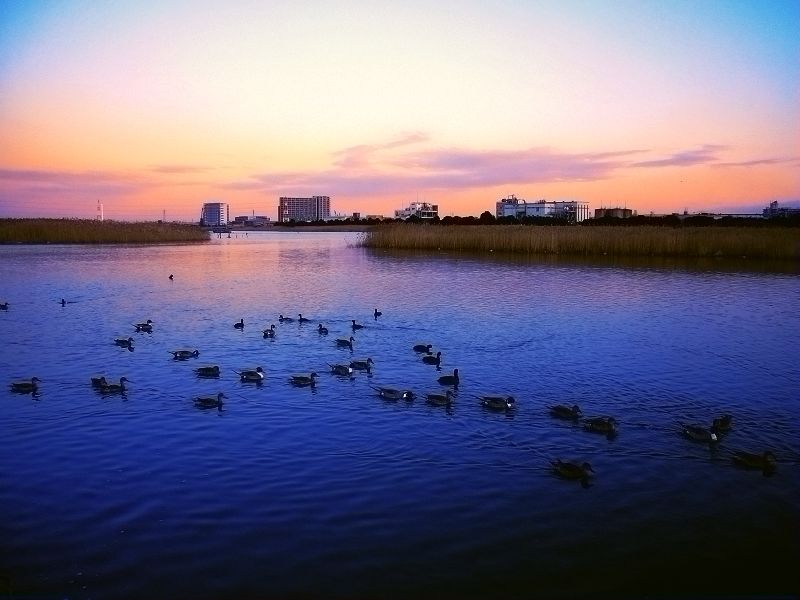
(763, 243)
(87, 231)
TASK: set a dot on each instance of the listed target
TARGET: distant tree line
(487, 218)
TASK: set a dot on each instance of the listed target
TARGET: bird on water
(26, 386)
(449, 379)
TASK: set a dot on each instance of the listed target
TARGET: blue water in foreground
(332, 492)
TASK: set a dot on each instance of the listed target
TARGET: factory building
(423, 210)
(573, 211)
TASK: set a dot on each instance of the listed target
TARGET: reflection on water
(332, 490)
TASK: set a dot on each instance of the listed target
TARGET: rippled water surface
(333, 492)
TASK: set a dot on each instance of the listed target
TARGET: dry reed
(752, 242)
(86, 231)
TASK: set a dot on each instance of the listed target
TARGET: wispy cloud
(758, 162)
(396, 167)
(704, 155)
(179, 169)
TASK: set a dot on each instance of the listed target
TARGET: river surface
(333, 492)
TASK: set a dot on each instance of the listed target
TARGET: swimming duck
(3, 305)
(429, 359)
(147, 327)
(423, 348)
(439, 399)
(283, 319)
(207, 371)
(322, 330)
(498, 402)
(98, 381)
(239, 325)
(124, 342)
(252, 375)
(750, 460)
(63, 302)
(722, 424)
(114, 388)
(301, 319)
(377, 314)
(345, 370)
(606, 425)
(389, 393)
(565, 412)
(345, 343)
(171, 277)
(269, 333)
(303, 379)
(699, 433)
(184, 354)
(357, 325)
(571, 470)
(362, 364)
(26, 387)
(210, 401)
(449, 379)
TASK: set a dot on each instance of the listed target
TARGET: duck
(377, 314)
(26, 387)
(3, 305)
(362, 364)
(345, 343)
(606, 425)
(303, 379)
(114, 388)
(301, 319)
(345, 370)
(562, 411)
(750, 460)
(269, 333)
(63, 302)
(439, 398)
(124, 342)
(98, 381)
(449, 379)
(357, 325)
(210, 401)
(283, 319)
(239, 325)
(207, 371)
(722, 424)
(390, 393)
(423, 348)
(571, 470)
(183, 354)
(147, 326)
(171, 277)
(498, 402)
(322, 330)
(252, 375)
(699, 433)
(430, 359)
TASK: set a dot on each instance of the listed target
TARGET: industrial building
(214, 214)
(315, 208)
(773, 211)
(617, 213)
(573, 211)
(423, 210)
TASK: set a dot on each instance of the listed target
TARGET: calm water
(333, 492)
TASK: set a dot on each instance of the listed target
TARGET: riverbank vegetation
(773, 243)
(89, 231)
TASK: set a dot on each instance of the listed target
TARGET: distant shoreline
(90, 231)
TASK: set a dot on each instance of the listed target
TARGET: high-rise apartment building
(315, 208)
(214, 214)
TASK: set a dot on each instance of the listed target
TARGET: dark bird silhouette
(240, 324)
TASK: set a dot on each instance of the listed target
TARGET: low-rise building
(617, 213)
(423, 210)
(573, 211)
(773, 211)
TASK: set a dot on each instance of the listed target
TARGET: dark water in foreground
(333, 492)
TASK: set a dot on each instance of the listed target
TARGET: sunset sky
(153, 108)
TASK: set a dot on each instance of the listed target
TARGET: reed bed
(87, 231)
(774, 243)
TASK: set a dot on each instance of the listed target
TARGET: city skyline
(160, 107)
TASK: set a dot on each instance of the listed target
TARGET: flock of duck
(582, 472)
